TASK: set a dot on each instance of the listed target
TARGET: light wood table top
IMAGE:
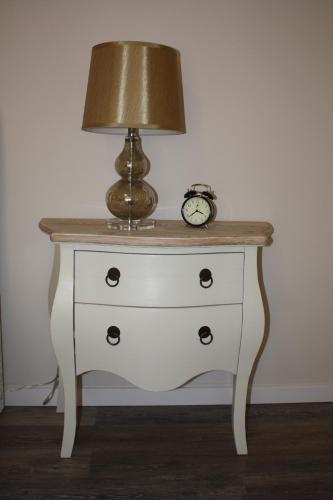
(170, 233)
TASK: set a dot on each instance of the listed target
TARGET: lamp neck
(133, 133)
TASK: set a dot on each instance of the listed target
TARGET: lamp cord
(54, 381)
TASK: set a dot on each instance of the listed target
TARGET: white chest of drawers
(156, 307)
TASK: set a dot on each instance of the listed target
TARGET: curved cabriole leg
(69, 418)
(63, 342)
(238, 413)
(252, 337)
(61, 397)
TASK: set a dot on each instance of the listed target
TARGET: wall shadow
(267, 321)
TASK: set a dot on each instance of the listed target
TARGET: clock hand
(195, 211)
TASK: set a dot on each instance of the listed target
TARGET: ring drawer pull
(113, 335)
(206, 278)
(205, 335)
(113, 276)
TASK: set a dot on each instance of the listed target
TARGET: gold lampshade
(134, 85)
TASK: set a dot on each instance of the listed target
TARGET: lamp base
(131, 198)
(130, 225)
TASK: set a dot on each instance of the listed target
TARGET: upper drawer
(158, 280)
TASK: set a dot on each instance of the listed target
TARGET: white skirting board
(111, 396)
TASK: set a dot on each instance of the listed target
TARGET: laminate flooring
(174, 453)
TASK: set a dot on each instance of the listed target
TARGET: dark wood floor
(153, 453)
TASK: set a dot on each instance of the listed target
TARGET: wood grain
(168, 233)
(178, 453)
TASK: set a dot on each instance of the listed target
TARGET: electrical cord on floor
(54, 381)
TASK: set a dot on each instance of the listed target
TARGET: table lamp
(133, 88)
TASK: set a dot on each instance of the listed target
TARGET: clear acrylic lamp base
(130, 225)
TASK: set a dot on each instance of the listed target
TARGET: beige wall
(258, 80)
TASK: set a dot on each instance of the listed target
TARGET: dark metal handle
(205, 335)
(113, 335)
(206, 278)
(112, 277)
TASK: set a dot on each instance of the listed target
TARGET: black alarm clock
(199, 208)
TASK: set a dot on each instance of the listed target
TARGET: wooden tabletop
(165, 233)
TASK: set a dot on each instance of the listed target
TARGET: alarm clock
(199, 208)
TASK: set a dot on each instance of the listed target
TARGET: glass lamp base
(130, 225)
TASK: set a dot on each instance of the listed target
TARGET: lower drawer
(157, 349)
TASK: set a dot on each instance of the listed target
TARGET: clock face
(196, 211)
